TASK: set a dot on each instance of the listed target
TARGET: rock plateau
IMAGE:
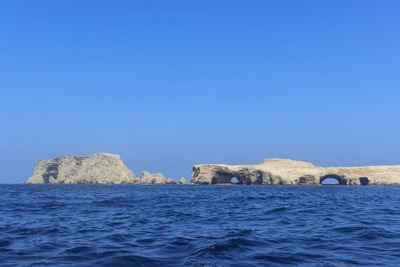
(291, 172)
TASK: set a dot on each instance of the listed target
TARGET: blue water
(117, 225)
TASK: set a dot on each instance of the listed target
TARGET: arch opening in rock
(222, 178)
(243, 176)
(332, 179)
(234, 180)
(229, 178)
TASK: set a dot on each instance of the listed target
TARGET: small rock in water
(171, 181)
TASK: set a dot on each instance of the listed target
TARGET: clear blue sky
(169, 84)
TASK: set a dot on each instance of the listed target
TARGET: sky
(170, 84)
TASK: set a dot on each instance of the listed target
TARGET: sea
(194, 225)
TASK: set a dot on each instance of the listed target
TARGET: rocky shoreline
(105, 168)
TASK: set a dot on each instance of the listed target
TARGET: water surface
(116, 225)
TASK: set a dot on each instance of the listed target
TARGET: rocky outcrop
(148, 178)
(182, 181)
(156, 178)
(101, 168)
(291, 172)
(171, 181)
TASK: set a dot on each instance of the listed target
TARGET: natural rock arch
(341, 179)
(291, 172)
(226, 178)
(244, 177)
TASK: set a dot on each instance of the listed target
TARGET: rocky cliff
(100, 168)
(291, 172)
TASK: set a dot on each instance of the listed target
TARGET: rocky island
(291, 172)
(105, 168)
(100, 168)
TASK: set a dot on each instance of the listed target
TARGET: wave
(198, 226)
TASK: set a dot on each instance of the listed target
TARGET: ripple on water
(199, 226)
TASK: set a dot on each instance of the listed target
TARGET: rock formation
(101, 168)
(171, 181)
(156, 178)
(291, 172)
(182, 181)
(148, 178)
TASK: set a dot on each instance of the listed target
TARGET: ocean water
(136, 225)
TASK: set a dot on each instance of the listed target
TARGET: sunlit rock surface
(182, 181)
(148, 178)
(291, 172)
(100, 168)
(171, 181)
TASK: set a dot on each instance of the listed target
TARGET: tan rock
(291, 172)
(171, 181)
(182, 181)
(156, 178)
(100, 168)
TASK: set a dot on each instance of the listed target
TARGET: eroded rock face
(291, 172)
(148, 178)
(100, 168)
(182, 181)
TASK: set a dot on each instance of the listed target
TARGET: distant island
(105, 168)
(291, 172)
(100, 168)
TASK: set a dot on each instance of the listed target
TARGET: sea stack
(292, 172)
(100, 168)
